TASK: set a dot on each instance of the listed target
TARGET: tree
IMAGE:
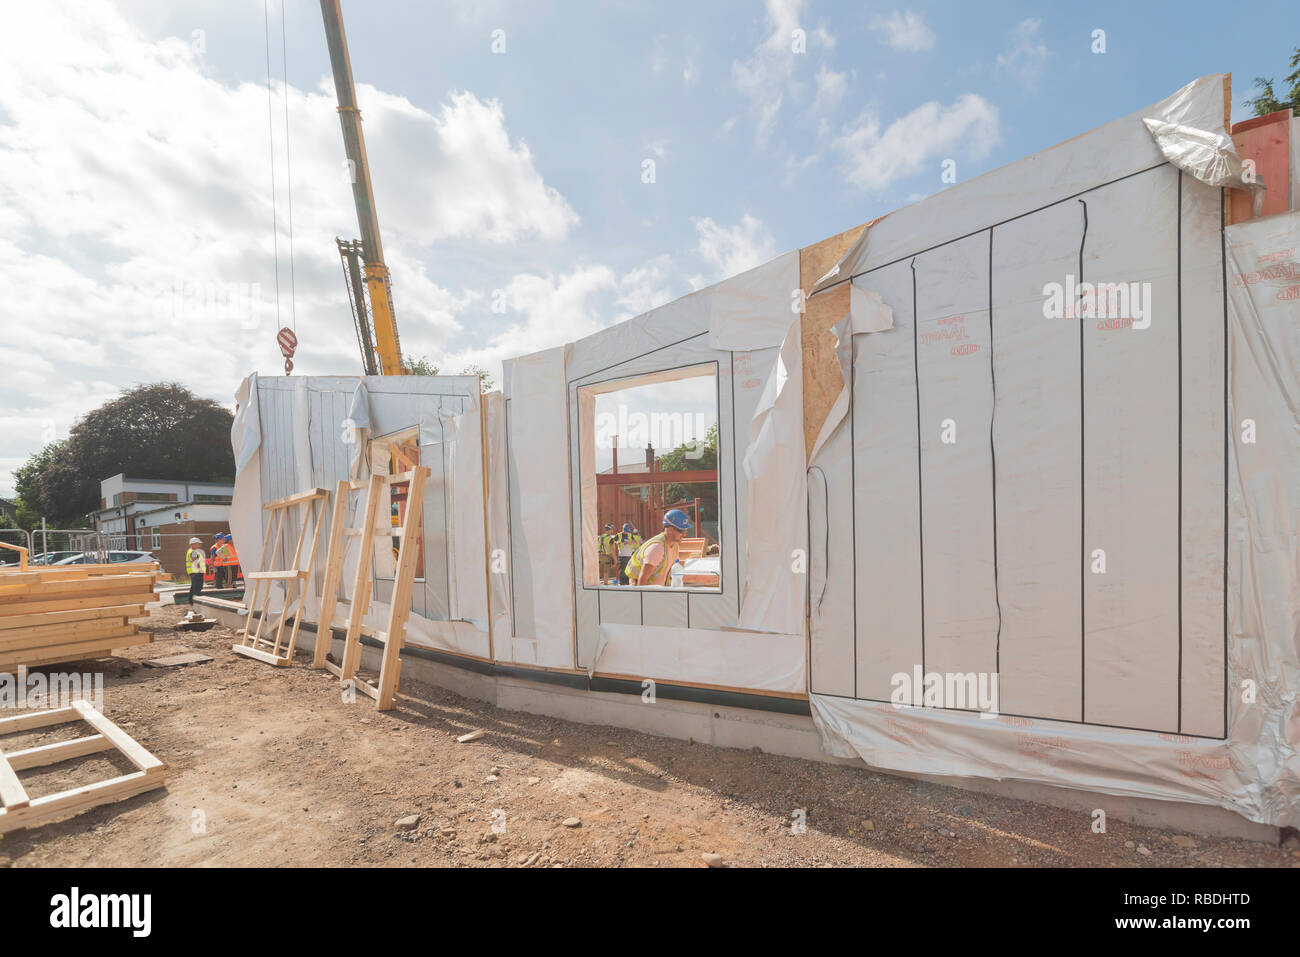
(422, 366)
(694, 457)
(27, 481)
(1267, 102)
(153, 431)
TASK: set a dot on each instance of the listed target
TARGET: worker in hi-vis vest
(608, 563)
(221, 559)
(652, 563)
(229, 559)
(195, 566)
(627, 543)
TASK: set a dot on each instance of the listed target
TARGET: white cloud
(1027, 54)
(553, 309)
(874, 159)
(794, 166)
(906, 31)
(646, 287)
(134, 183)
(831, 87)
(733, 250)
(766, 77)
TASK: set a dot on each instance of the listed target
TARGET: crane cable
(288, 163)
(270, 131)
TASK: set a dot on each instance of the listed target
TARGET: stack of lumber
(67, 613)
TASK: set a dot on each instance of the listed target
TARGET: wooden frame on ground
(20, 810)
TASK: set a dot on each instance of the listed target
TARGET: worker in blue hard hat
(652, 563)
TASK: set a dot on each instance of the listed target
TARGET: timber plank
(68, 604)
(11, 622)
(47, 754)
(75, 651)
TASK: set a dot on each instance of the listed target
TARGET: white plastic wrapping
(246, 502)
(775, 580)
(312, 431)
(1189, 130)
(541, 562)
(753, 310)
(498, 521)
(1184, 752)
(722, 659)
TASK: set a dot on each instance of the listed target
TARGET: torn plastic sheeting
(776, 520)
(1188, 128)
(867, 313)
(360, 424)
(727, 659)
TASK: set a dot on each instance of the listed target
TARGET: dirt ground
(271, 767)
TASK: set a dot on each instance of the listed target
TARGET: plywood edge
(821, 372)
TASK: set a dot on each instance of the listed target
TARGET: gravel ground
(272, 767)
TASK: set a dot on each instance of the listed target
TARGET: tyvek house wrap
(1161, 674)
(311, 431)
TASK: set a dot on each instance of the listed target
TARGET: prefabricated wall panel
(1041, 497)
(309, 440)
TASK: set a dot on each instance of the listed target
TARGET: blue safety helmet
(677, 519)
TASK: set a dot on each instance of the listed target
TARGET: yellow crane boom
(377, 281)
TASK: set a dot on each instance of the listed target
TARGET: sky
(541, 169)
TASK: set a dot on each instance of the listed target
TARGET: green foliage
(420, 366)
(1267, 101)
(423, 366)
(694, 458)
(153, 431)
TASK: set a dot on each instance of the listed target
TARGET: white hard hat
(196, 541)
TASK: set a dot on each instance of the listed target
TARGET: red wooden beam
(658, 478)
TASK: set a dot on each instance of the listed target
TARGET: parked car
(93, 558)
(50, 558)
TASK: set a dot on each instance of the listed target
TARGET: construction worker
(222, 559)
(195, 566)
(608, 559)
(210, 572)
(232, 561)
(652, 562)
(628, 542)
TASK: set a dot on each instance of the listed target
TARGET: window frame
(586, 440)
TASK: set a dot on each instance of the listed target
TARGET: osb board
(821, 373)
(1267, 141)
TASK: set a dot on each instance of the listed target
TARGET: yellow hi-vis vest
(194, 562)
(660, 574)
